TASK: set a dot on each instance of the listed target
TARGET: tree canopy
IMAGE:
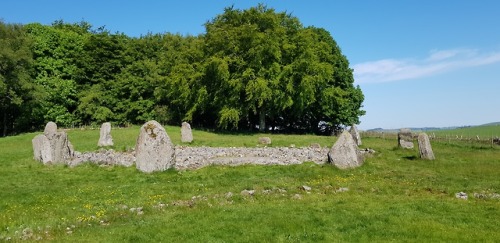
(252, 69)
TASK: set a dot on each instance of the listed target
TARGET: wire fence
(481, 141)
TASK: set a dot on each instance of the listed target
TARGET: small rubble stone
(265, 140)
(297, 197)
(344, 153)
(186, 133)
(405, 139)
(105, 138)
(424, 147)
(461, 195)
(306, 188)
(247, 192)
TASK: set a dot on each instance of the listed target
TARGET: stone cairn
(105, 138)
(154, 151)
(186, 133)
(355, 134)
(424, 147)
(405, 139)
(52, 146)
(344, 153)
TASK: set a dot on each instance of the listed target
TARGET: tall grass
(394, 196)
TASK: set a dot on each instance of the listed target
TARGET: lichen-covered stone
(52, 146)
(405, 139)
(344, 153)
(186, 133)
(424, 147)
(154, 149)
(355, 134)
(105, 138)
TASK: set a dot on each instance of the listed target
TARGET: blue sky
(419, 63)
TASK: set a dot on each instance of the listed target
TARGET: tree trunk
(4, 133)
(262, 120)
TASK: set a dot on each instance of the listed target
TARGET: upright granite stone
(355, 134)
(186, 133)
(424, 147)
(405, 139)
(344, 153)
(105, 138)
(52, 146)
(154, 150)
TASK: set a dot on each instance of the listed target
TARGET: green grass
(394, 196)
(484, 132)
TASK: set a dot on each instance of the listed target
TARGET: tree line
(251, 69)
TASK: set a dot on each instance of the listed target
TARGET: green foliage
(18, 93)
(253, 68)
(392, 196)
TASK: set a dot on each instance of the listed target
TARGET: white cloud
(438, 61)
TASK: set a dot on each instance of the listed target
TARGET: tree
(56, 50)
(264, 66)
(17, 91)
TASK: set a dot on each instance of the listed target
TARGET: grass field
(471, 132)
(394, 196)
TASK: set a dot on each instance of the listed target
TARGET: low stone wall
(198, 157)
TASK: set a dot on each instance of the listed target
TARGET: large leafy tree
(56, 50)
(264, 66)
(18, 94)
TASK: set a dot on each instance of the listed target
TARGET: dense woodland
(251, 69)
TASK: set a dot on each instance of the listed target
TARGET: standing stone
(50, 129)
(186, 133)
(355, 134)
(154, 150)
(405, 139)
(105, 138)
(344, 153)
(52, 146)
(424, 147)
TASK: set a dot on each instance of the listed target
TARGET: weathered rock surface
(405, 139)
(344, 153)
(197, 157)
(104, 157)
(50, 129)
(52, 146)
(154, 149)
(265, 140)
(355, 134)
(424, 147)
(186, 133)
(105, 138)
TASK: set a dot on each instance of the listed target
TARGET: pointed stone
(355, 134)
(344, 153)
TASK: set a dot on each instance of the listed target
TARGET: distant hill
(491, 124)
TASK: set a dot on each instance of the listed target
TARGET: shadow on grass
(410, 157)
